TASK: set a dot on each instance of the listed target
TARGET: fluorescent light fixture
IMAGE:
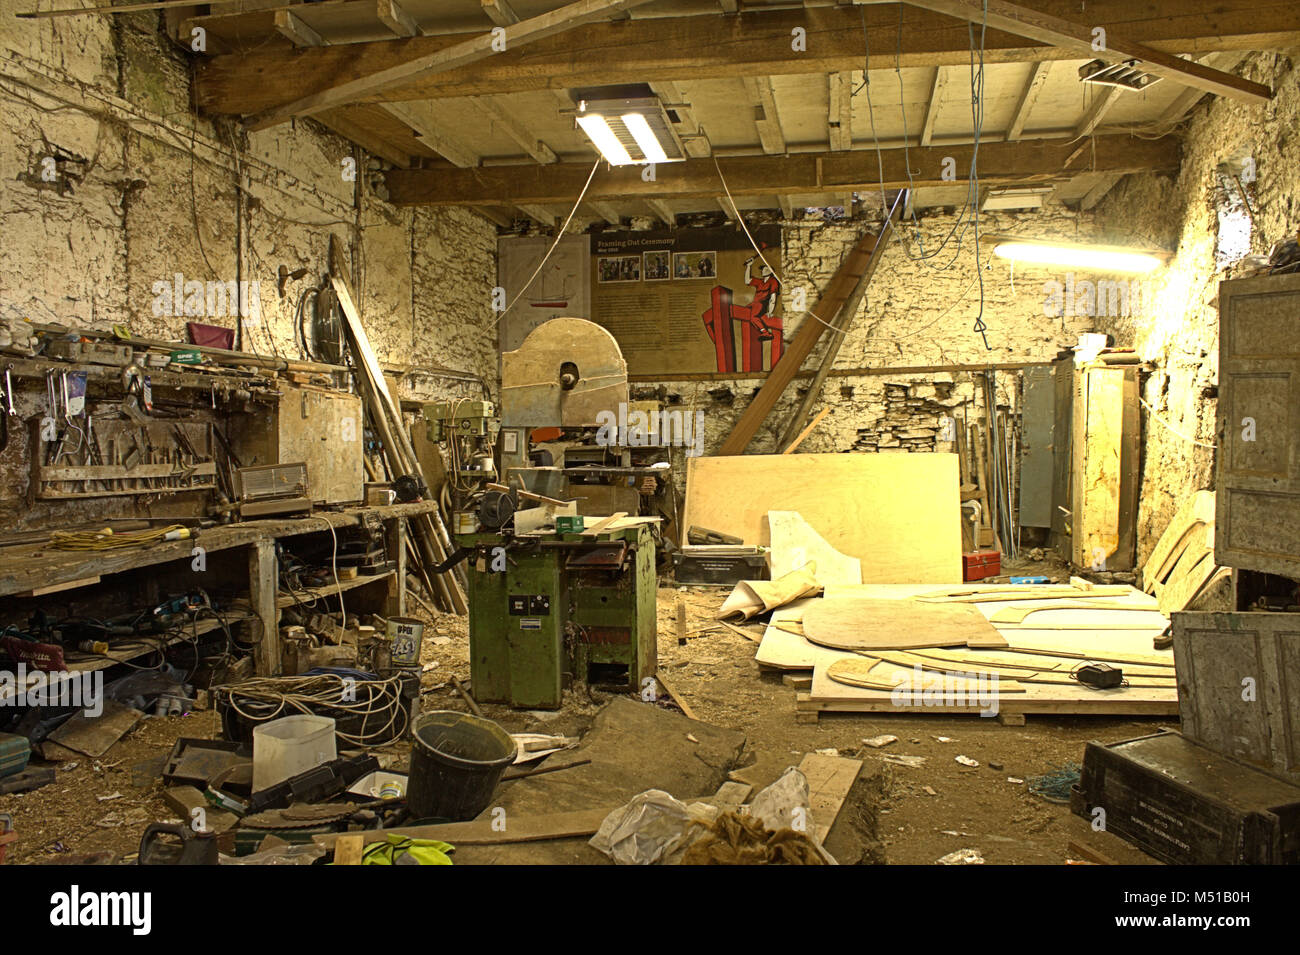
(1098, 258)
(1016, 197)
(598, 131)
(645, 138)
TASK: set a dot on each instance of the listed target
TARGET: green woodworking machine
(555, 598)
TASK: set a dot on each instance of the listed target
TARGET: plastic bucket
(456, 762)
(291, 745)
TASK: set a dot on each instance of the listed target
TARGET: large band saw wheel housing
(565, 373)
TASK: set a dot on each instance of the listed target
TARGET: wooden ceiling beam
(1103, 98)
(766, 119)
(291, 26)
(459, 54)
(392, 15)
(693, 137)
(500, 12)
(1082, 40)
(422, 118)
(663, 212)
(1028, 97)
(932, 107)
(529, 143)
(1043, 161)
(678, 49)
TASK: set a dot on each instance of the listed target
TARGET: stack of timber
(432, 543)
(1061, 627)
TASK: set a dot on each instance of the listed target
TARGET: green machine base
(553, 608)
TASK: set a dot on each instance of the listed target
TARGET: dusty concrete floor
(917, 814)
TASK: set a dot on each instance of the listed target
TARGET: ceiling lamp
(630, 130)
(1099, 258)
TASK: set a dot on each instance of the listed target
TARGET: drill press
(548, 606)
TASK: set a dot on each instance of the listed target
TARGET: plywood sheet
(796, 543)
(869, 624)
(899, 514)
(1098, 428)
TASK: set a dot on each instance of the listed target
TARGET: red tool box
(979, 564)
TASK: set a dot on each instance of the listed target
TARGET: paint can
(405, 635)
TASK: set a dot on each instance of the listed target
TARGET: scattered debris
(876, 742)
(962, 857)
(967, 761)
(915, 762)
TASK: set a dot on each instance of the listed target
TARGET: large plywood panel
(897, 513)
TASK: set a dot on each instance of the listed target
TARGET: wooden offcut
(869, 624)
(897, 513)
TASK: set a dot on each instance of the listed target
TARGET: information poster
(690, 300)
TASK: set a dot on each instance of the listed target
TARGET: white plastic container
(291, 745)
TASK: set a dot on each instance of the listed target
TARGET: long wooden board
(899, 514)
(483, 832)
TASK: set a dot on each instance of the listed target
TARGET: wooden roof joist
(747, 44)
(839, 172)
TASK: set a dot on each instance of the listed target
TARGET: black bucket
(456, 762)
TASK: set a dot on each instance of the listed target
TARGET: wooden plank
(1079, 38)
(682, 704)
(263, 588)
(95, 735)
(857, 502)
(422, 117)
(1098, 424)
(808, 429)
(1038, 161)
(500, 12)
(487, 832)
(348, 848)
(840, 110)
(1102, 101)
(458, 54)
(685, 48)
(829, 780)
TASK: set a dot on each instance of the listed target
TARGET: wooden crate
(1239, 685)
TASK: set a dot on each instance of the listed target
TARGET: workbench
(36, 569)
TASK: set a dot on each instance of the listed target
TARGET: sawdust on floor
(917, 814)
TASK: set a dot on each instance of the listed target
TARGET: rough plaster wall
(149, 209)
(916, 312)
(161, 195)
(1181, 334)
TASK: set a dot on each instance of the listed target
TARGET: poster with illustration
(690, 300)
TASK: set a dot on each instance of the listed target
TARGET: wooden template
(867, 624)
(899, 514)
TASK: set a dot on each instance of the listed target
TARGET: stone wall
(920, 310)
(1180, 334)
(110, 187)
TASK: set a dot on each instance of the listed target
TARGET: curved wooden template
(998, 658)
(853, 672)
(903, 658)
(1069, 593)
(1018, 614)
